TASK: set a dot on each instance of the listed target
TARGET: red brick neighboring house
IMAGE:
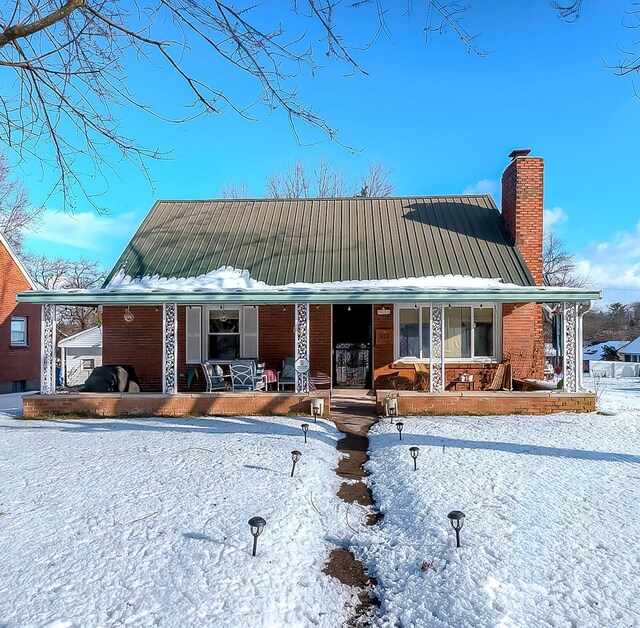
(19, 326)
(362, 292)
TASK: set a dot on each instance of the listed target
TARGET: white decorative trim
(301, 330)
(170, 348)
(437, 373)
(570, 353)
(48, 350)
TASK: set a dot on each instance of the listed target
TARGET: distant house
(19, 326)
(593, 353)
(631, 352)
(438, 294)
(80, 354)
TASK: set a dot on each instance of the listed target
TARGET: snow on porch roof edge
(529, 294)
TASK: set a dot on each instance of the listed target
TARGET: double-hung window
(414, 324)
(18, 331)
(215, 332)
(469, 332)
(223, 339)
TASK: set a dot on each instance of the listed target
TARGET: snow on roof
(632, 348)
(231, 279)
(594, 352)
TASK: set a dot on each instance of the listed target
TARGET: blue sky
(441, 119)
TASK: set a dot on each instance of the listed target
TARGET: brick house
(362, 292)
(19, 326)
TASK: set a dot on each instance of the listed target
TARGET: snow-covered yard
(144, 523)
(552, 532)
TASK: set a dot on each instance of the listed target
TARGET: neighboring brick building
(19, 327)
(363, 292)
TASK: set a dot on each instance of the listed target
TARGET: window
(414, 325)
(469, 332)
(224, 334)
(88, 364)
(18, 331)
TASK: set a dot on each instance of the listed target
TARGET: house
(19, 326)
(376, 293)
(631, 351)
(80, 354)
(594, 353)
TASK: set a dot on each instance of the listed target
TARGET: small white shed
(80, 354)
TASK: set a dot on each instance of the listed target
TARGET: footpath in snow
(144, 523)
(552, 532)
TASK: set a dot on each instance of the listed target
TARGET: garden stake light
(305, 429)
(399, 427)
(295, 456)
(457, 521)
(257, 526)
(414, 451)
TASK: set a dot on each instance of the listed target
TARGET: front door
(352, 357)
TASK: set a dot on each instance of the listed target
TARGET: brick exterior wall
(141, 404)
(535, 403)
(320, 350)
(138, 343)
(522, 211)
(17, 363)
(276, 334)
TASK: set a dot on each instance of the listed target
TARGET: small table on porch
(471, 385)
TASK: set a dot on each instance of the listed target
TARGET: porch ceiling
(528, 294)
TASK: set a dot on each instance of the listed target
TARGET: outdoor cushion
(288, 372)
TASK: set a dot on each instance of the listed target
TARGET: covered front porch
(437, 351)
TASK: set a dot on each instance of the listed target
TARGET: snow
(552, 531)
(227, 278)
(594, 352)
(144, 522)
(632, 348)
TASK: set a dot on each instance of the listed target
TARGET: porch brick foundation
(479, 403)
(180, 405)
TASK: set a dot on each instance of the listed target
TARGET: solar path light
(295, 456)
(391, 407)
(305, 429)
(317, 405)
(399, 427)
(456, 517)
(257, 526)
(414, 451)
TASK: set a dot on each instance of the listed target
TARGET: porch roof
(502, 294)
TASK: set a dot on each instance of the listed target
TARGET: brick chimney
(522, 206)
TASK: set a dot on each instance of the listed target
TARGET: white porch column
(170, 348)
(572, 354)
(437, 375)
(48, 350)
(302, 347)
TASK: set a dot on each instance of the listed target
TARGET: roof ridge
(318, 198)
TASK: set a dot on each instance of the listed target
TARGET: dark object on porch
(113, 378)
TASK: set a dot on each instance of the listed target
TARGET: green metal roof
(282, 241)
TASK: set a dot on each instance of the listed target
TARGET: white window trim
(26, 331)
(497, 335)
(228, 306)
(396, 334)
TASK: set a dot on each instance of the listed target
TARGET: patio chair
(214, 376)
(287, 377)
(243, 375)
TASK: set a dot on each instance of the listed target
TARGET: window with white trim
(223, 333)
(18, 331)
(469, 332)
(413, 332)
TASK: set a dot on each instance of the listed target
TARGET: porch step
(353, 392)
